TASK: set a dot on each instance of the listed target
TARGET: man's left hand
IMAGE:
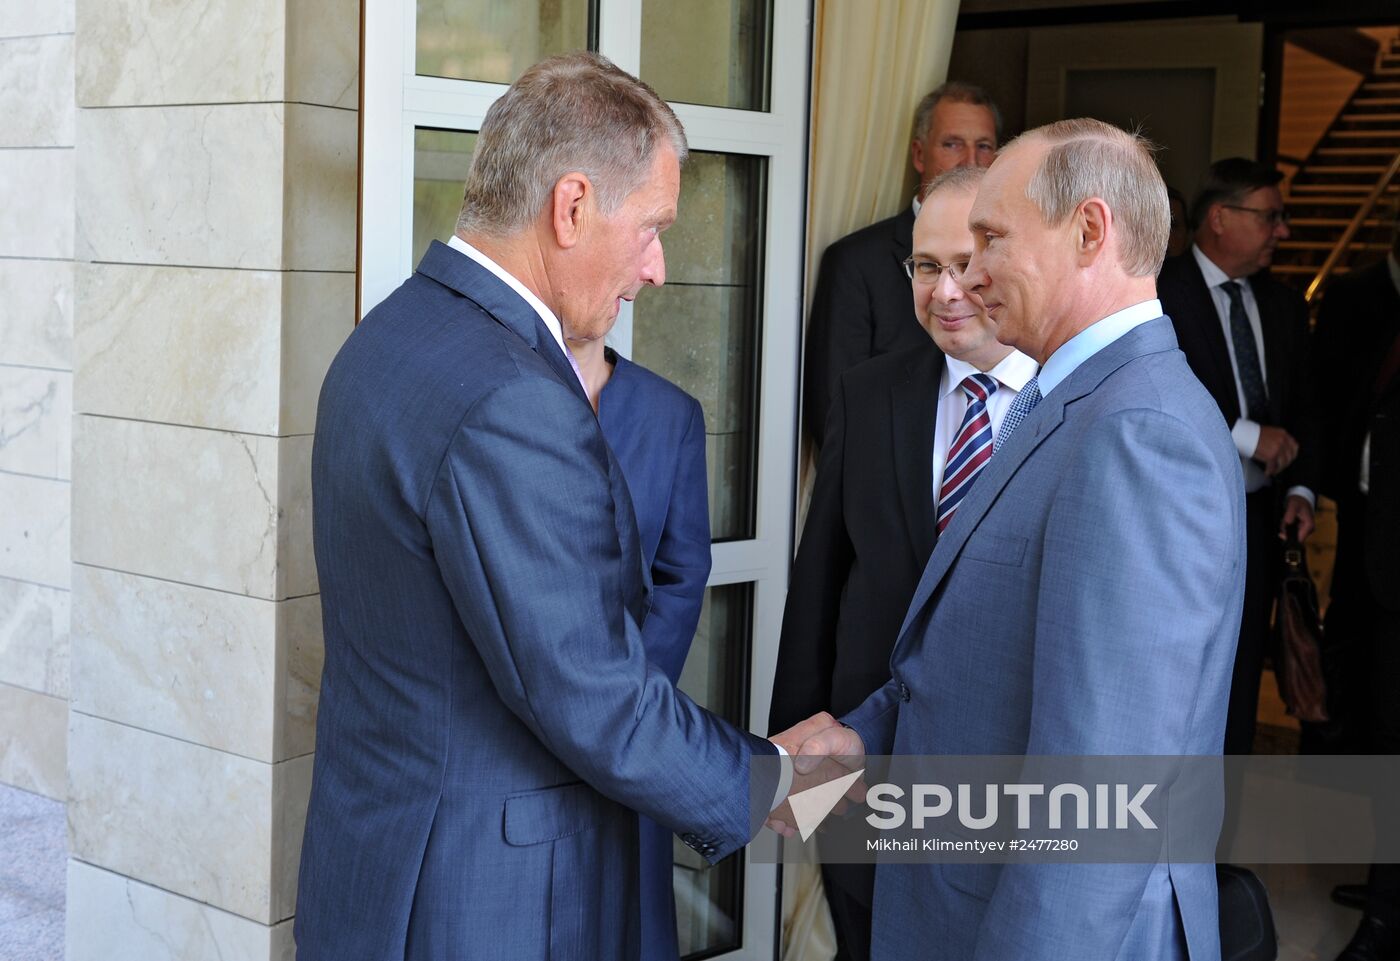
(1298, 511)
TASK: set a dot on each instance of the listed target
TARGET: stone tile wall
(36, 389)
(214, 189)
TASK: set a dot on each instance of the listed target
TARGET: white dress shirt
(1244, 431)
(1011, 375)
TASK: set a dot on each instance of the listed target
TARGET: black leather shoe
(1350, 896)
(1374, 940)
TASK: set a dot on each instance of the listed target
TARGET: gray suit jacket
(488, 718)
(1085, 600)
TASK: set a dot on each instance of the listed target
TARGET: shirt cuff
(784, 778)
(1246, 435)
(1305, 494)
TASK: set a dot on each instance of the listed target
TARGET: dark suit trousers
(1367, 704)
(850, 916)
(1261, 578)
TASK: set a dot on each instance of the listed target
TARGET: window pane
(440, 162)
(708, 51)
(495, 40)
(710, 899)
(701, 329)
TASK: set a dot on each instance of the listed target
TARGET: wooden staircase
(1337, 179)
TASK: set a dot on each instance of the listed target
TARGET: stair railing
(1343, 244)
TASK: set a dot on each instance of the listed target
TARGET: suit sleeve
(1142, 573)
(522, 524)
(682, 562)
(807, 645)
(839, 333)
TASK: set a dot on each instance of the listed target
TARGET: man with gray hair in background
(862, 306)
(488, 721)
(1085, 599)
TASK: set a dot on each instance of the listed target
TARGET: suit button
(903, 692)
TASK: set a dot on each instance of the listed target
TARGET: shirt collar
(551, 322)
(1093, 339)
(1210, 271)
(916, 205)
(1011, 371)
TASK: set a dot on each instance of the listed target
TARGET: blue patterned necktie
(1256, 397)
(1020, 408)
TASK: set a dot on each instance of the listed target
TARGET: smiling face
(954, 318)
(1022, 269)
(617, 254)
(959, 135)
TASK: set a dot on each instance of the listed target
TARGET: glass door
(725, 327)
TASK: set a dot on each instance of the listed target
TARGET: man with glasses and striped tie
(907, 436)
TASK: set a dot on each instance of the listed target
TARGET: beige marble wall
(215, 182)
(36, 388)
(114, 918)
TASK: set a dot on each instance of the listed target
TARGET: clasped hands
(822, 750)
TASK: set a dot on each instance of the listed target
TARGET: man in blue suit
(488, 720)
(1085, 599)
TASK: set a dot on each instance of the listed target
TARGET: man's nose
(654, 264)
(948, 288)
(973, 278)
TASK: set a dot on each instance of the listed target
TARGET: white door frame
(396, 101)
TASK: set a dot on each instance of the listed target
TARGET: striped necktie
(971, 447)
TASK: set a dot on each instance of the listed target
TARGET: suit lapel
(1152, 337)
(453, 269)
(914, 402)
(1212, 334)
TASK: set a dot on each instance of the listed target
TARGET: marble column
(215, 188)
(36, 389)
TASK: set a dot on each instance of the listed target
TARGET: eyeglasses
(931, 271)
(1273, 216)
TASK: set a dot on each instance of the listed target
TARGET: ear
(1215, 219)
(916, 155)
(1093, 220)
(567, 208)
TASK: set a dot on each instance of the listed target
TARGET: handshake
(822, 750)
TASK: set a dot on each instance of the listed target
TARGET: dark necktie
(1020, 409)
(1256, 397)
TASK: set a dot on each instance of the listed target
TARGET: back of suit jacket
(1283, 317)
(487, 712)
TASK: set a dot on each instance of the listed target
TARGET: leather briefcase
(1298, 640)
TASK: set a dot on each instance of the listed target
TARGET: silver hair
(1089, 158)
(954, 91)
(576, 112)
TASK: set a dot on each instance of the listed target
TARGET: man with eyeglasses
(861, 307)
(1245, 337)
(907, 436)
